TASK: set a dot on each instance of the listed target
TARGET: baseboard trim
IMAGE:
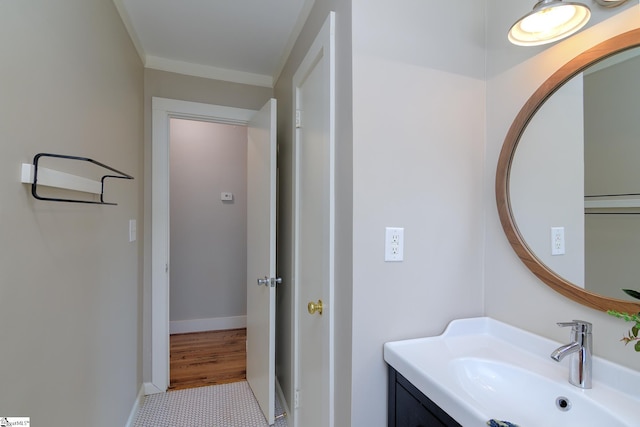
(150, 388)
(212, 324)
(136, 407)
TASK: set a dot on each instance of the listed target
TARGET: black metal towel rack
(116, 174)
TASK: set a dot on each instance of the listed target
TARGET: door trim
(163, 110)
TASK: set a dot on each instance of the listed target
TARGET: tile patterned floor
(226, 405)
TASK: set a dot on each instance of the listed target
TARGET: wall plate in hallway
(133, 230)
(394, 244)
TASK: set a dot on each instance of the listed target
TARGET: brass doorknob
(314, 307)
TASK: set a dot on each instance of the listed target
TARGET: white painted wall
(418, 141)
(208, 235)
(512, 293)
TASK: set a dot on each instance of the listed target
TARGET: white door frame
(162, 111)
(323, 47)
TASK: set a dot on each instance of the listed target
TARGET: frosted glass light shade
(550, 20)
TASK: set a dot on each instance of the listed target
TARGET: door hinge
(298, 119)
(296, 399)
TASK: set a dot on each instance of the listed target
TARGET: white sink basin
(481, 369)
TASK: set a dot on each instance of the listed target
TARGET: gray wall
(208, 235)
(70, 317)
(187, 88)
(612, 128)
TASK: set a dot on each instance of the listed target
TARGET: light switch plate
(133, 230)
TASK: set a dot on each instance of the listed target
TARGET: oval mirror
(567, 188)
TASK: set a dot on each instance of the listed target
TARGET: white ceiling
(244, 41)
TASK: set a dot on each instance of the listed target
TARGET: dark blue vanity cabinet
(409, 407)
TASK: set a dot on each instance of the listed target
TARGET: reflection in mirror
(582, 146)
(578, 137)
(612, 175)
(546, 183)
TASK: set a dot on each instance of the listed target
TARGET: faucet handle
(578, 326)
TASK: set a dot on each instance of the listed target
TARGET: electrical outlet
(557, 241)
(394, 244)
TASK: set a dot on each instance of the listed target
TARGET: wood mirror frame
(601, 51)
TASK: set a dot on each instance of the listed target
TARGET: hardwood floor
(207, 358)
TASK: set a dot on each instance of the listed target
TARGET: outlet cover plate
(394, 244)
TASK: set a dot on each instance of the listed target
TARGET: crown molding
(208, 72)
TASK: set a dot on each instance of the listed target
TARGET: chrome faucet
(580, 349)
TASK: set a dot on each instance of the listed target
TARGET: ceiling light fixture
(549, 21)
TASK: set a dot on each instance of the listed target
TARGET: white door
(261, 257)
(314, 227)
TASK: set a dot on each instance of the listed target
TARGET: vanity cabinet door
(408, 407)
(410, 412)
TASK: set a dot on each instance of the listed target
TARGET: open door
(261, 257)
